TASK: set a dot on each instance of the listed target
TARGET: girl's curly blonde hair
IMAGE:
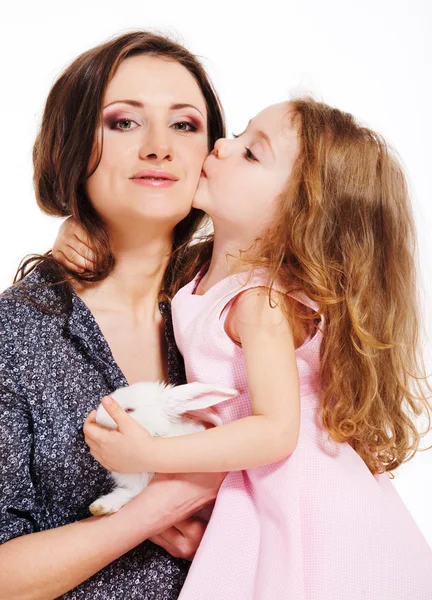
(346, 237)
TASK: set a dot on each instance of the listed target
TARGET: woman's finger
(172, 541)
(183, 539)
(160, 540)
(95, 455)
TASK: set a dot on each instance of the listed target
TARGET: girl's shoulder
(264, 304)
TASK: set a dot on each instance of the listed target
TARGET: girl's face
(243, 177)
(154, 142)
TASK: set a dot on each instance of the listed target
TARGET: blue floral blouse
(54, 369)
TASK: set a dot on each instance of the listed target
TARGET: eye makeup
(112, 120)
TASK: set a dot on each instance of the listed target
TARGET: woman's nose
(156, 144)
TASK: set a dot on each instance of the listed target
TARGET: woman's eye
(184, 126)
(249, 155)
(125, 124)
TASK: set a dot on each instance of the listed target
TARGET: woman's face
(242, 178)
(154, 136)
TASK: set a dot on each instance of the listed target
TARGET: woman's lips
(153, 182)
(154, 178)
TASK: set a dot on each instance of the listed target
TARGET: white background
(372, 58)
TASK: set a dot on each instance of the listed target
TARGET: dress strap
(241, 282)
(304, 299)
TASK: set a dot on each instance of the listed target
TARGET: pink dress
(314, 526)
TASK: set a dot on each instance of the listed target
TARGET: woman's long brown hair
(63, 148)
(346, 237)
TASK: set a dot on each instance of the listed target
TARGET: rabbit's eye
(129, 410)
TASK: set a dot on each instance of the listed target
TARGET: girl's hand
(122, 450)
(72, 247)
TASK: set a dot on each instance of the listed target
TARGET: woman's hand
(121, 450)
(182, 540)
(72, 247)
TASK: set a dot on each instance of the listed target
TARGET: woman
(65, 344)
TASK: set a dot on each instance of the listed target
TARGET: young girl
(307, 307)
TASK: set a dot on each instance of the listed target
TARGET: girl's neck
(229, 257)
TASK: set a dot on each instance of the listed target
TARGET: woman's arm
(268, 435)
(44, 565)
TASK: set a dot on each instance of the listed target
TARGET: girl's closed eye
(248, 153)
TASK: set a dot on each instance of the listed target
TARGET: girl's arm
(271, 432)
(268, 435)
(47, 564)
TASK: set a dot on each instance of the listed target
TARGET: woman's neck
(133, 287)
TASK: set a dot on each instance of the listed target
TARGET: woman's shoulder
(25, 303)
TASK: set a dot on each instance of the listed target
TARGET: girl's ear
(197, 396)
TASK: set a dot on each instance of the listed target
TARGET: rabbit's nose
(129, 410)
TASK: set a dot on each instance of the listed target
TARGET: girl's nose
(222, 148)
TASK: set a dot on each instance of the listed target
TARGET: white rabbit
(161, 410)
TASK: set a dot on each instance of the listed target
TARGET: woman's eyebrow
(179, 106)
(137, 104)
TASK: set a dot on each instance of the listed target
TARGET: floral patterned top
(54, 369)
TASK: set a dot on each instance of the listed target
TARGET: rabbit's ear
(207, 415)
(196, 396)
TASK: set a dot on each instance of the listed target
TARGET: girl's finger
(76, 230)
(74, 257)
(63, 259)
(94, 432)
(83, 248)
(91, 417)
(118, 414)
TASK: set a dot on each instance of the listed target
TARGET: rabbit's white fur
(161, 410)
